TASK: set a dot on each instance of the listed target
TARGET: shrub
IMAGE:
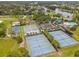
(76, 53)
(56, 44)
(18, 39)
(73, 28)
(23, 52)
(51, 39)
(2, 30)
(13, 54)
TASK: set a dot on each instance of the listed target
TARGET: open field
(69, 51)
(36, 48)
(7, 46)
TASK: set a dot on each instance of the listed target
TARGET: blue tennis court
(63, 38)
(39, 45)
(31, 28)
(15, 29)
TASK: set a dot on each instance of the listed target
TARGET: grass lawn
(22, 34)
(69, 52)
(76, 34)
(51, 13)
(22, 31)
(9, 18)
(7, 46)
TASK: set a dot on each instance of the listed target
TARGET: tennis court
(63, 38)
(31, 28)
(39, 45)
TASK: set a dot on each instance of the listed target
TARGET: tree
(23, 52)
(51, 39)
(13, 54)
(41, 17)
(19, 39)
(73, 28)
(2, 33)
(2, 29)
(20, 52)
(76, 16)
(52, 20)
(46, 33)
(56, 44)
(57, 15)
(22, 20)
(76, 54)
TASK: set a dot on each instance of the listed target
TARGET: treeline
(14, 9)
(22, 8)
(52, 40)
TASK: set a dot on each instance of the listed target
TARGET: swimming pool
(63, 38)
(15, 29)
(39, 45)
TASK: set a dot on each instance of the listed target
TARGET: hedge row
(51, 39)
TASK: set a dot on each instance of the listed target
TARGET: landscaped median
(51, 39)
(23, 43)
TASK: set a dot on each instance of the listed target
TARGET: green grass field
(76, 34)
(51, 13)
(70, 51)
(7, 46)
(67, 51)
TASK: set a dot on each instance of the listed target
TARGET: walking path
(22, 44)
(59, 52)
